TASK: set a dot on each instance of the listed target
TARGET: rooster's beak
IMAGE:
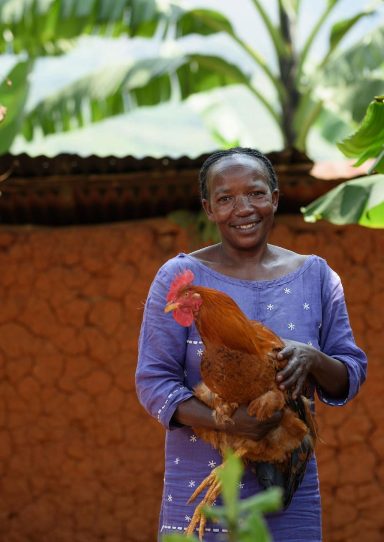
(171, 307)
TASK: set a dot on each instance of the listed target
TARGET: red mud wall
(80, 460)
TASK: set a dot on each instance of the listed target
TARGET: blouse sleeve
(162, 348)
(336, 337)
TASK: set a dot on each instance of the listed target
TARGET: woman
(297, 296)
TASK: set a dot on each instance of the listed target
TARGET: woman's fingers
(286, 352)
(288, 372)
(299, 386)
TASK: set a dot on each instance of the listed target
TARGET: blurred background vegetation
(175, 77)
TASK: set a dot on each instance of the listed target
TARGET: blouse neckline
(288, 277)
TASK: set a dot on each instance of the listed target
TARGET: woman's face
(240, 201)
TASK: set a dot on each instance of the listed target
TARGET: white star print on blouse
(193, 438)
(200, 352)
(291, 326)
(241, 485)
(306, 306)
(187, 518)
(270, 307)
(169, 498)
(212, 464)
(177, 460)
(287, 290)
(191, 483)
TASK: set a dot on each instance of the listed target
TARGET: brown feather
(239, 367)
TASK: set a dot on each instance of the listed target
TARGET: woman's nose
(242, 204)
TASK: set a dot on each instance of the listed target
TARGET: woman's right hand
(250, 427)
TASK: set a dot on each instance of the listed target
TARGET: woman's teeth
(245, 226)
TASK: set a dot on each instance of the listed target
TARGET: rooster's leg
(214, 487)
(198, 518)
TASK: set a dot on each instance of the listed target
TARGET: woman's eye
(256, 194)
(224, 199)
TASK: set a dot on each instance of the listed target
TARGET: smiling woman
(241, 199)
(296, 296)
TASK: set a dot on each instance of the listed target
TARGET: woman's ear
(275, 199)
(207, 208)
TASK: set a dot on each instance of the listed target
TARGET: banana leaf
(360, 201)
(368, 140)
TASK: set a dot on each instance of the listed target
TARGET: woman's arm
(194, 413)
(162, 346)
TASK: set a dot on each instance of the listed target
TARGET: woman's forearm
(331, 375)
(195, 413)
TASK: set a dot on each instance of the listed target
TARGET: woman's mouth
(245, 227)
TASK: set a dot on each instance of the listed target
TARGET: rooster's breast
(237, 376)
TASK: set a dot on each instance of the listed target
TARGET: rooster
(239, 367)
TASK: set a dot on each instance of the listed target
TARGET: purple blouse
(306, 305)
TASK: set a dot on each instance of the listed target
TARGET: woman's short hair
(246, 151)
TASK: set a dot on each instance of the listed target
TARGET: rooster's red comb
(180, 281)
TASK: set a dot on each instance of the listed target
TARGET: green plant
(243, 518)
(360, 201)
(368, 141)
(198, 224)
(293, 88)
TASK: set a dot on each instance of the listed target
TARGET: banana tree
(35, 31)
(172, 69)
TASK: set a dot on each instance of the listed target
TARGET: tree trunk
(288, 67)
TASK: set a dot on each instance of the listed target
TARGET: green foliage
(368, 141)
(360, 201)
(299, 90)
(13, 95)
(102, 94)
(41, 26)
(350, 79)
(243, 518)
(341, 28)
(203, 229)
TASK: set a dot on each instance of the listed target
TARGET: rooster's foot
(213, 491)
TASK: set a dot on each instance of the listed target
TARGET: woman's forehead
(234, 163)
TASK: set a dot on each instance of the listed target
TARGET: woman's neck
(230, 257)
(247, 265)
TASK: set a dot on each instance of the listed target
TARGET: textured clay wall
(80, 460)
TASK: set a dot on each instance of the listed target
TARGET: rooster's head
(182, 299)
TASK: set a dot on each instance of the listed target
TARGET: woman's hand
(301, 360)
(250, 427)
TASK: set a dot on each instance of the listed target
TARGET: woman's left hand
(300, 359)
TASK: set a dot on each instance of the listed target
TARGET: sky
(244, 19)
